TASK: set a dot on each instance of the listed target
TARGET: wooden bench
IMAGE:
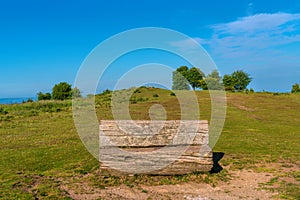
(154, 147)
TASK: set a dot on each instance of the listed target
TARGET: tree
(215, 74)
(212, 81)
(242, 80)
(76, 93)
(179, 81)
(203, 84)
(213, 84)
(194, 75)
(41, 96)
(237, 81)
(62, 91)
(228, 82)
(184, 76)
(183, 70)
(295, 88)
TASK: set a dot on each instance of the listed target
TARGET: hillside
(43, 157)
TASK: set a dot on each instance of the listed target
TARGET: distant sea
(15, 100)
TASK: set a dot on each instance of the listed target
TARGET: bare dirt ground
(243, 185)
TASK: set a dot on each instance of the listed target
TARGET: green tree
(76, 93)
(179, 81)
(242, 80)
(183, 70)
(194, 76)
(215, 74)
(203, 84)
(228, 82)
(237, 81)
(183, 76)
(212, 81)
(62, 91)
(42, 96)
(295, 88)
(213, 84)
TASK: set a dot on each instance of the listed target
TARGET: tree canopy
(62, 91)
(194, 76)
(237, 81)
(213, 81)
(295, 88)
(179, 81)
(42, 96)
(76, 93)
(183, 77)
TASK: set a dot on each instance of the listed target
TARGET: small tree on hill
(179, 81)
(194, 76)
(213, 84)
(76, 93)
(228, 82)
(237, 81)
(183, 76)
(295, 88)
(242, 80)
(212, 81)
(62, 91)
(215, 74)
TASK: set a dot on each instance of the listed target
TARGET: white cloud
(257, 23)
(248, 35)
(260, 44)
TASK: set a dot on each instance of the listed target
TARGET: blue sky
(45, 42)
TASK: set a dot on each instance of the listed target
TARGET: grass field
(41, 151)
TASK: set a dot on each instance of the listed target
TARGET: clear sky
(44, 42)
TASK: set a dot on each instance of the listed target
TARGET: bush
(107, 91)
(41, 96)
(137, 91)
(295, 88)
(229, 89)
(3, 111)
(172, 94)
(155, 95)
(134, 100)
(62, 91)
(76, 93)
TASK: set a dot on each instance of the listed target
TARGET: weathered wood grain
(154, 147)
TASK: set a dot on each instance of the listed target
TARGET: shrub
(155, 95)
(137, 91)
(3, 111)
(76, 93)
(62, 91)
(172, 94)
(229, 89)
(30, 100)
(41, 96)
(295, 88)
(107, 91)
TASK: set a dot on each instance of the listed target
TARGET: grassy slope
(40, 148)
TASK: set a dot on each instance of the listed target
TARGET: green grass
(40, 149)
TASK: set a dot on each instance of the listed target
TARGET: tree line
(184, 77)
(60, 91)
